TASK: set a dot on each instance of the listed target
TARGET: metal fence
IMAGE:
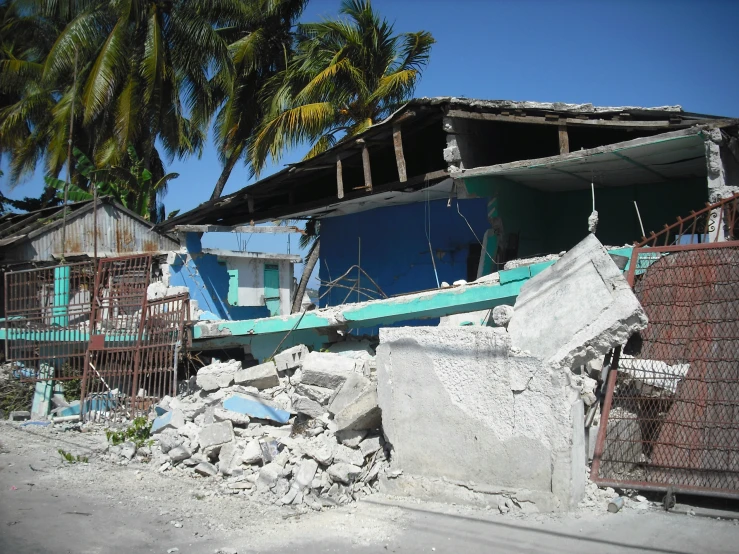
(671, 411)
(47, 320)
(70, 322)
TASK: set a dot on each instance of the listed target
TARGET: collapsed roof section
(428, 140)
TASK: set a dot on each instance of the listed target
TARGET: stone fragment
(344, 473)
(290, 358)
(306, 406)
(220, 414)
(319, 394)
(326, 370)
(344, 454)
(256, 407)
(128, 450)
(369, 446)
(241, 485)
(217, 375)
(179, 453)
(206, 469)
(216, 435)
(364, 413)
(262, 376)
(252, 453)
(577, 309)
(170, 420)
(348, 392)
(320, 449)
(502, 315)
(351, 438)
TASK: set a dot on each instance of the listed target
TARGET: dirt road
(98, 508)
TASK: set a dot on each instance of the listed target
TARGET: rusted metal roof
(36, 236)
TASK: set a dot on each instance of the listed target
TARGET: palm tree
(347, 74)
(259, 47)
(141, 65)
(133, 186)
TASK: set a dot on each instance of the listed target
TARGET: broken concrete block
(206, 469)
(216, 435)
(326, 370)
(305, 474)
(351, 438)
(348, 392)
(344, 473)
(364, 413)
(369, 446)
(168, 440)
(229, 458)
(19, 415)
(220, 414)
(319, 394)
(346, 455)
(290, 358)
(252, 453)
(171, 420)
(262, 376)
(179, 453)
(321, 449)
(577, 309)
(256, 407)
(306, 406)
(502, 315)
(217, 375)
(268, 476)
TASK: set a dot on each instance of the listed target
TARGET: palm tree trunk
(307, 270)
(226, 173)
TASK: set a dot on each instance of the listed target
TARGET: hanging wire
(482, 246)
(427, 230)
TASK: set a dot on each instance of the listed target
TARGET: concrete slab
(577, 309)
(326, 370)
(348, 392)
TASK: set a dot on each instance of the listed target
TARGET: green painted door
(272, 288)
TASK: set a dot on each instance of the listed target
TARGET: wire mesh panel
(47, 320)
(671, 412)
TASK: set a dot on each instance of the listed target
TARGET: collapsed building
(511, 372)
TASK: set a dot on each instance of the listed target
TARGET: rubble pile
(303, 428)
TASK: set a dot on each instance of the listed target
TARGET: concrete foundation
(458, 405)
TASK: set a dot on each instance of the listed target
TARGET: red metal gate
(71, 322)
(671, 411)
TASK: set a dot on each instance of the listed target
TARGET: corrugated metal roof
(37, 236)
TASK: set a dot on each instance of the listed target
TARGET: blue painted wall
(207, 280)
(395, 250)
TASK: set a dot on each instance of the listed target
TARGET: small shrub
(138, 433)
(71, 389)
(71, 458)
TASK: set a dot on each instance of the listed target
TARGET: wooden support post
(339, 179)
(564, 140)
(366, 166)
(399, 157)
(250, 204)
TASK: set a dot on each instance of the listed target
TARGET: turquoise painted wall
(549, 222)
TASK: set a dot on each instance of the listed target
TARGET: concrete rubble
(323, 447)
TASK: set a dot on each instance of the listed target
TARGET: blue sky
(641, 53)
